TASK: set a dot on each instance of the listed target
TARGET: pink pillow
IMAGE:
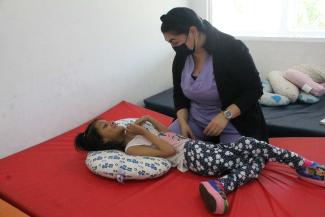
(304, 82)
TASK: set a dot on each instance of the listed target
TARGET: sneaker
(312, 172)
(214, 196)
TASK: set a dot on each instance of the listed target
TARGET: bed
(51, 180)
(300, 120)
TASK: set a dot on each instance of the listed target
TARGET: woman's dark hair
(179, 20)
(90, 140)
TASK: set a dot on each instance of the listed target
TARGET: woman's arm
(163, 148)
(234, 109)
(182, 115)
(245, 73)
(219, 122)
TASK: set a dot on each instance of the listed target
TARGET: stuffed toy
(316, 73)
(282, 86)
(304, 82)
(271, 99)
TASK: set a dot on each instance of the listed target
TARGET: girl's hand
(143, 119)
(135, 129)
(157, 125)
(216, 125)
(186, 131)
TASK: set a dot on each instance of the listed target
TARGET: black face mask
(183, 49)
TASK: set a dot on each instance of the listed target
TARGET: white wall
(63, 62)
(200, 7)
(280, 55)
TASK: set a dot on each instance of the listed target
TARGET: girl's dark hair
(179, 20)
(90, 140)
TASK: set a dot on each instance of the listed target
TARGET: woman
(233, 164)
(216, 84)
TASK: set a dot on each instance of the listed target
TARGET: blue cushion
(307, 98)
(271, 99)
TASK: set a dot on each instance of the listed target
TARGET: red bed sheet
(51, 180)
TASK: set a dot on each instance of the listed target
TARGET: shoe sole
(212, 199)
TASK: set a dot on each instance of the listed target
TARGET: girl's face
(109, 130)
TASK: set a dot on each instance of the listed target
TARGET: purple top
(204, 96)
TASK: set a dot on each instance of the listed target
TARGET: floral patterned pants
(235, 163)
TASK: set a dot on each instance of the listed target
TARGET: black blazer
(237, 80)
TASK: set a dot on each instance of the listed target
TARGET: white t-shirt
(175, 140)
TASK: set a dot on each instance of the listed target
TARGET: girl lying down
(233, 163)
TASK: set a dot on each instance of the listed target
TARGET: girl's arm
(159, 126)
(163, 148)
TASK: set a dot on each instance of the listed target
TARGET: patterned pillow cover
(118, 165)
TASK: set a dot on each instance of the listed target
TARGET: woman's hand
(216, 125)
(134, 129)
(186, 131)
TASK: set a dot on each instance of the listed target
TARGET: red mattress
(51, 179)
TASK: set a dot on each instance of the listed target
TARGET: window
(269, 18)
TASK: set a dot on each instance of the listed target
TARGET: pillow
(283, 87)
(315, 72)
(271, 99)
(307, 98)
(121, 166)
(304, 82)
(118, 165)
